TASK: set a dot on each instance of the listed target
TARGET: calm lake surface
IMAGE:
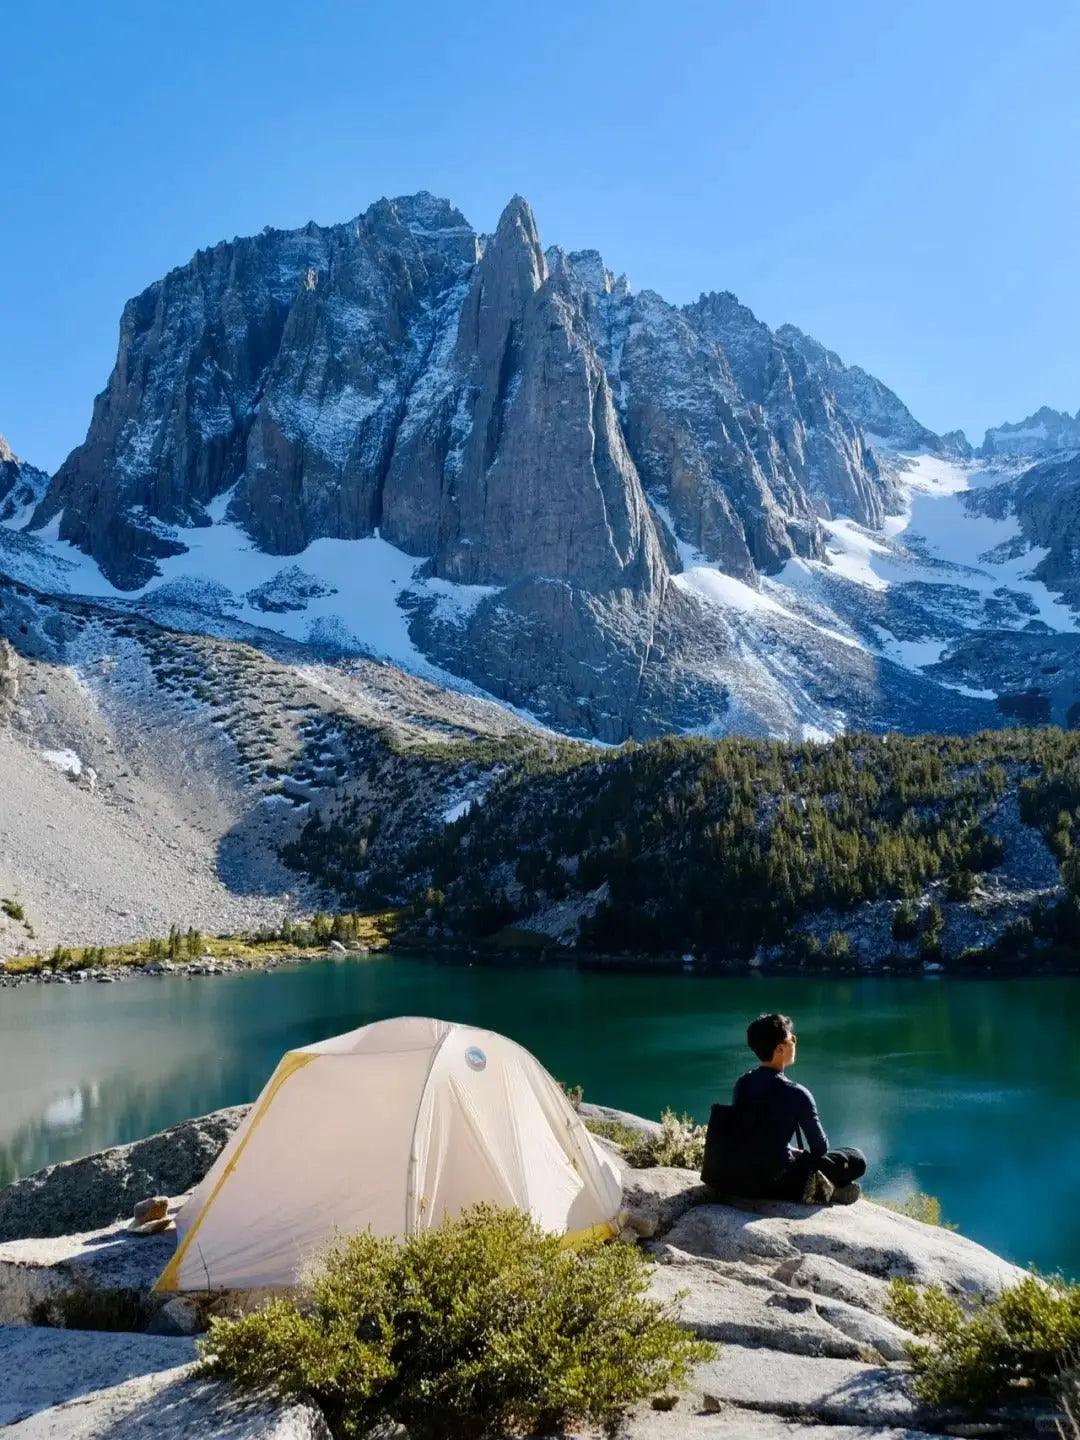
(967, 1089)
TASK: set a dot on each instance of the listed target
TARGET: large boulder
(867, 1239)
(80, 1195)
(654, 1199)
(795, 1295)
(839, 1392)
(102, 1278)
(43, 1367)
(134, 1387)
(738, 1305)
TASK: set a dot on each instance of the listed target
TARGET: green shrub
(918, 1206)
(838, 945)
(484, 1327)
(613, 1130)
(12, 909)
(681, 1142)
(960, 885)
(1021, 1340)
(905, 921)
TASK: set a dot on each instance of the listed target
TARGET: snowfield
(338, 593)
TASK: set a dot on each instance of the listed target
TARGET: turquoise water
(967, 1089)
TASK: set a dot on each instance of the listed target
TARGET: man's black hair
(766, 1032)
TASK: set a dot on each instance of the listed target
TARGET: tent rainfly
(390, 1128)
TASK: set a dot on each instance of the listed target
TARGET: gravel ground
(90, 867)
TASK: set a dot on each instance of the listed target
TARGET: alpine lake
(968, 1090)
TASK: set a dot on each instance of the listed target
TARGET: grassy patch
(373, 929)
(680, 1141)
(621, 1135)
(917, 1206)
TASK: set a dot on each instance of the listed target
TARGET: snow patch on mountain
(978, 562)
(947, 541)
(341, 594)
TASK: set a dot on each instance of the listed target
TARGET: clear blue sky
(900, 179)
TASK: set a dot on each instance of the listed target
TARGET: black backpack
(729, 1147)
(725, 1147)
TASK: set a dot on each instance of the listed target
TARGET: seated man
(768, 1110)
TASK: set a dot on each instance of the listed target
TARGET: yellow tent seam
(289, 1065)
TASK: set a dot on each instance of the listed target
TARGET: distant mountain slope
(1045, 500)
(909, 852)
(1046, 432)
(152, 778)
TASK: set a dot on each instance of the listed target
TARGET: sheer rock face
(278, 365)
(882, 416)
(521, 421)
(710, 460)
(540, 482)
(21, 486)
(1046, 499)
(824, 448)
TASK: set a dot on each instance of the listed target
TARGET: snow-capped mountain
(499, 467)
(1047, 432)
(21, 486)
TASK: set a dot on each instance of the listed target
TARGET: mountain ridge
(1044, 433)
(496, 464)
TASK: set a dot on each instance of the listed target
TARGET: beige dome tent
(391, 1128)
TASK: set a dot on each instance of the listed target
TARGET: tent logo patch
(475, 1058)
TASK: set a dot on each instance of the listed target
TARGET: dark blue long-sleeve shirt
(772, 1106)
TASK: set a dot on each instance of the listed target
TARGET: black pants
(839, 1166)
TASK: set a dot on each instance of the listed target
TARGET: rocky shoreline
(794, 1297)
(582, 960)
(183, 969)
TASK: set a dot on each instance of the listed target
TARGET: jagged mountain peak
(588, 269)
(425, 211)
(724, 302)
(516, 242)
(1044, 433)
